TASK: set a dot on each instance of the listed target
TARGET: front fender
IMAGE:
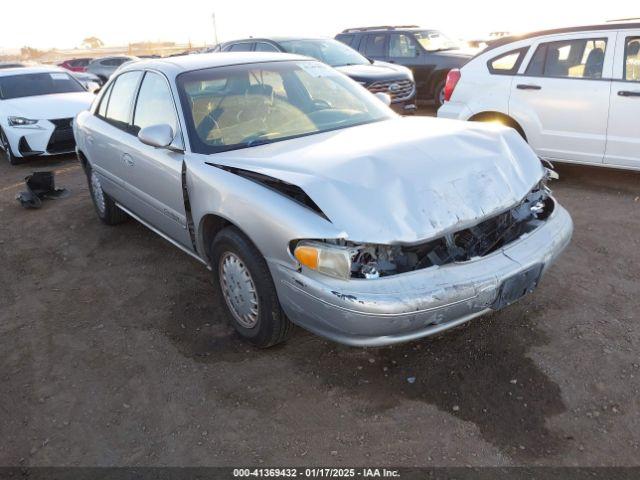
(269, 218)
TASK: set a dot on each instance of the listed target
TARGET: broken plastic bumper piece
(411, 305)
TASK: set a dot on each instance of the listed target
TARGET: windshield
(246, 105)
(32, 84)
(433, 40)
(331, 52)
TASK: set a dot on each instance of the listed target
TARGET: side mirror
(93, 87)
(159, 136)
(384, 98)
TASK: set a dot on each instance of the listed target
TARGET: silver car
(313, 203)
(104, 67)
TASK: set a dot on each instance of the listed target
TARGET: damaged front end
(345, 259)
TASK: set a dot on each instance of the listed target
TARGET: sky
(45, 24)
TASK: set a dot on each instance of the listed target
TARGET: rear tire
(6, 148)
(107, 210)
(246, 288)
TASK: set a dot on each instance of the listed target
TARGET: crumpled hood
(403, 180)
(45, 107)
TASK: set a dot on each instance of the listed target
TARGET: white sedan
(572, 93)
(37, 107)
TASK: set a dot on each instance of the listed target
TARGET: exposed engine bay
(373, 261)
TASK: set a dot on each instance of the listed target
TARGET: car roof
(5, 72)
(277, 39)
(541, 33)
(199, 61)
(99, 59)
(384, 28)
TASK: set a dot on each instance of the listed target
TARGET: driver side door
(154, 175)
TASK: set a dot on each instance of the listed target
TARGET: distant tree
(30, 53)
(92, 42)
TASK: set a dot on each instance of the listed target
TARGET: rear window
(34, 84)
(239, 47)
(508, 63)
(80, 62)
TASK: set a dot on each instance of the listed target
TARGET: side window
(401, 45)
(155, 104)
(632, 59)
(121, 99)
(104, 101)
(580, 58)
(239, 47)
(265, 47)
(508, 63)
(346, 39)
(374, 46)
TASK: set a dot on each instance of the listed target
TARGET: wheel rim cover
(97, 193)
(239, 290)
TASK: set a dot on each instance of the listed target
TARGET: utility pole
(215, 28)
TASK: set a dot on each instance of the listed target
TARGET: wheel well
(83, 160)
(210, 226)
(500, 118)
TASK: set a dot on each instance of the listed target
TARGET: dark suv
(375, 76)
(428, 53)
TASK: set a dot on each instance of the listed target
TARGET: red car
(76, 64)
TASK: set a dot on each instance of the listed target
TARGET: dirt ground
(114, 352)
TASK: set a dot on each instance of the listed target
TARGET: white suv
(573, 93)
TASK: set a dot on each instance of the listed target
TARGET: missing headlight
(373, 261)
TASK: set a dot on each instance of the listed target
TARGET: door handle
(524, 86)
(128, 159)
(629, 93)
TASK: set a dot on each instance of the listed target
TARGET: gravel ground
(114, 352)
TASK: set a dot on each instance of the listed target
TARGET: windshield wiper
(259, 138)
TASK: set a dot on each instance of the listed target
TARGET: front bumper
(41, 139)
(412, 305)
(405, 107)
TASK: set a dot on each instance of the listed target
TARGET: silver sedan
(313, 203)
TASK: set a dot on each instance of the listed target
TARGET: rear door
(109, 135)
(623, 134)
(561, 96)
(374, 46)
(154, 175)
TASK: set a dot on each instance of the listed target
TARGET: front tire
(6, 148)
(245, 285)
(107, 210)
